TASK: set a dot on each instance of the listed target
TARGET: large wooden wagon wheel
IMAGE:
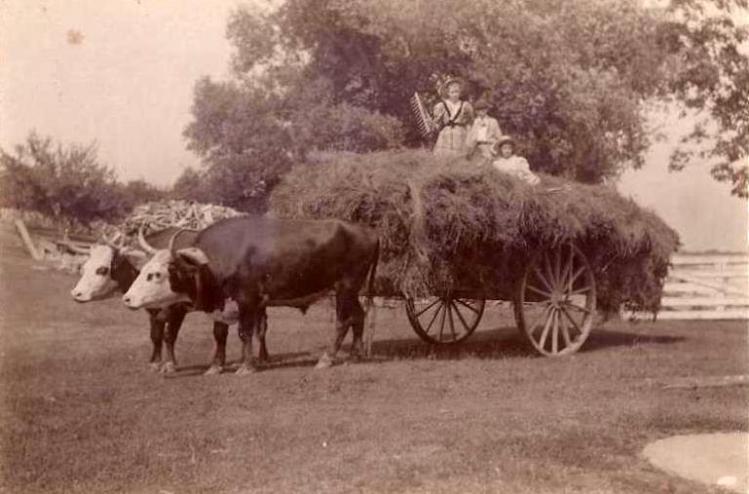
(444, 320)
(556, 301)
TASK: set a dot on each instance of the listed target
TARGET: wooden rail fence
(707, 286)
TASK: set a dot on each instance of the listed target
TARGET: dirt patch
(714, 459)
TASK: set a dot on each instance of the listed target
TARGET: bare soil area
(713, 459)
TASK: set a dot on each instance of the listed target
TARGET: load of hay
(449, 224)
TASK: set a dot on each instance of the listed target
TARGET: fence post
(24, 233)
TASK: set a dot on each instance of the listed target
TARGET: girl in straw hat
(506, 161)
(452, 116)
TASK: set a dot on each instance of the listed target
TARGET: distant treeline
(67, 182)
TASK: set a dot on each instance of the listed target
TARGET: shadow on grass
(503, 343)
(601, 339)
(293, 359)
(498, 343)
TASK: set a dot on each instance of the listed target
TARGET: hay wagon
(553, 294)
(456, 236)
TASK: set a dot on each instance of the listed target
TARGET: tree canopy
(67, 182)
(571, 79)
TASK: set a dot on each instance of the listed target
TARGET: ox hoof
(168, 368)
(325, 362)
(245, 370)
(213, 370)
(154, 366)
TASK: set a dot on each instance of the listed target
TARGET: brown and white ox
(260, 262)
(112, 268)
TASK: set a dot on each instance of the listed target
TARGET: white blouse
(516, 166)
(453, 107)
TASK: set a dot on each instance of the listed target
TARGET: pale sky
(128, 82)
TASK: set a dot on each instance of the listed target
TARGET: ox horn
(174, 237)
(112, 242)
(194, 255)
(143, 244)
(134, 252)
(74, 248)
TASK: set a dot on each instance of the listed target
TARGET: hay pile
(452, 224)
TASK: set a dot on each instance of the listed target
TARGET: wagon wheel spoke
(460, 316)
(543, 279)
(436, 301)
(572, 320)
(466, 304)
(539, 291)
(555, 333)
(547, 327)
(549, 272)
(568, 265)
(434, 317)
(533, 327)
(565, 331)
(449, 309)
(577, 307)
(578, 291)
(575, 276)
(442, 322)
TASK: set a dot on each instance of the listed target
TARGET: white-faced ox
(261, 262)
(111, 268)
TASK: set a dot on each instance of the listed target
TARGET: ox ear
(206, 290)
(193, 256)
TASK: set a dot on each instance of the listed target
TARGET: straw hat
(449, 82)
(481, 104)
(504, 139)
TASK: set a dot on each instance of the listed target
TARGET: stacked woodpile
(66, 249)
(156, 216)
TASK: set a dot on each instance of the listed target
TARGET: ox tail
(371, 314)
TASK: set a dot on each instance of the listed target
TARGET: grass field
(82, 413)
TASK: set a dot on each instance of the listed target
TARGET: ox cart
(456, 235)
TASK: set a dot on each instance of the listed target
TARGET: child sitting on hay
(506, 161)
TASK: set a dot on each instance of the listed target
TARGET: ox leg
(157, 338)
(341, 328)
(262, 329)
(357, 327)
(175, 317)
(248, 319)
(220, 333)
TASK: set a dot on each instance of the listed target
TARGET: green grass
(81, 412)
